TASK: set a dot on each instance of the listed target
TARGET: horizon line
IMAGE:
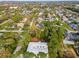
(38, 0)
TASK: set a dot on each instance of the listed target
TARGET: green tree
(23, 42)
(41, 55)
(17, 17)
(29, 55)
(54, 34)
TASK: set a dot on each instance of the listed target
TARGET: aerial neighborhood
(39, 30)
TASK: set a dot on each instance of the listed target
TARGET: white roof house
(37, 47)
(68, 42)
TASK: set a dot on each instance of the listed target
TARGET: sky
(39, 0)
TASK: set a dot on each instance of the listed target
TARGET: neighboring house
(40, 26)
(65, 18)
(20, 25)
(72, 38)
(68, 42)
(74, 26)
(24, 20)
(1, 21)
(41, 13)
(40, 19)
(72, 18)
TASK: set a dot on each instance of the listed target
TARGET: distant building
(14, 7)
(40, 26)
(65, 18)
